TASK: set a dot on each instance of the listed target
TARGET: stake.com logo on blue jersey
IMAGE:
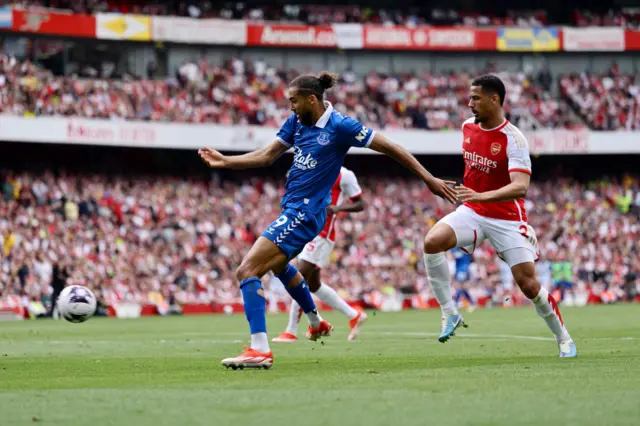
(318, 154)
(301, 161)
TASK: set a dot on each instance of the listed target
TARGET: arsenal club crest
(495, 148)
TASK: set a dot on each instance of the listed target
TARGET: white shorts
(317, 252)
(510, 238)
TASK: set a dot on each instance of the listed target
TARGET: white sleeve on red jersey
(349, 184)
(470, 120)
(517, 150)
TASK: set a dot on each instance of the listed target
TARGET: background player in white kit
(315, 256)
(496, 179)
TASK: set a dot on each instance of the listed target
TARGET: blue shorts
(294, 229)
(564, 285)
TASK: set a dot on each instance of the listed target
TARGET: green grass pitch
(502, 370)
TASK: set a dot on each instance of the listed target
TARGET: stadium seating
(327, 14)
(607, 101)
(254, 93)
(132, 239)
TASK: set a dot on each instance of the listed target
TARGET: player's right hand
(443, 189)
(212, 158)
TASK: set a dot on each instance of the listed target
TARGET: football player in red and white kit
(496, 179)
(315, 256)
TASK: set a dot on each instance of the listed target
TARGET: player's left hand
(469, 195)
(443, 189)
(332, 210)
(212, 158)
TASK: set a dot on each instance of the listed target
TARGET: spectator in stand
(60, 274)
(562, 273)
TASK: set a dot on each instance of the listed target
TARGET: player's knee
(241, 273)
(246, 270)
(314, 285)
(432, 245)
(439, 239)
(307, 270)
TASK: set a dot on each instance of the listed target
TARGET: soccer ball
(76, 303)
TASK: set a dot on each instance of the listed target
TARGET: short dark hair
(315, 85)
(492, 84)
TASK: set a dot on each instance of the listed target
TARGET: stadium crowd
(252, 92)
(608, 101)
(323, 14)
(149, 239)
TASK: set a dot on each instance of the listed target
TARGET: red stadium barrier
(428, 38)
(224, 308)
(290, 35)
(14, 313)
(237, 308)
(54, 23)
(631, 40)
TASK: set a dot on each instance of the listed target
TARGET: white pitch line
(494, 336)
(472, 335)
(501, 337)
(112, 342)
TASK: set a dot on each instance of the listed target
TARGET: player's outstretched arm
(259, 158)
(438, 186)
(353, 207)
(516, 189)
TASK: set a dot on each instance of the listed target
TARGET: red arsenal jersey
(489, 157)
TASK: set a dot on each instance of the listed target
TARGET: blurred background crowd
(176, 238)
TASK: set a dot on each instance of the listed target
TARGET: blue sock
(299, 293)
(468, 296)
(254, 304)
(458, 296)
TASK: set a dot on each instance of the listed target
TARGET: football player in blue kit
(463, 266)
(320, 138)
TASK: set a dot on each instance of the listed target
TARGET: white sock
(295, 312)
(331, 298)
(547, 308)
(260, 342)
(314, 318)
(440, 282)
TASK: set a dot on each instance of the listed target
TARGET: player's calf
(440, 282)
(263, 256)
(311, 274)
(297, 287)
(544, 303)
(439, 239)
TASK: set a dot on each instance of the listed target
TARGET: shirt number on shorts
(281, 221)
(311, 246)
(523, 231)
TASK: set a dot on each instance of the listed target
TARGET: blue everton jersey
(318, 154)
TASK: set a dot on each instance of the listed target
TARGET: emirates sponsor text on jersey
(479, 162)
